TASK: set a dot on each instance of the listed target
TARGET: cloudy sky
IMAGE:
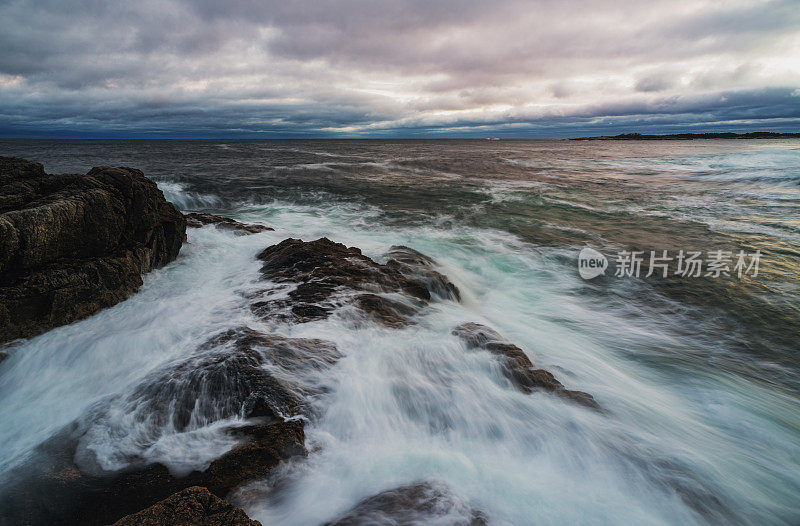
(416, 68)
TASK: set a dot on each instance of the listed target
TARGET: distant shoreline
(689, 136)
(620, 137)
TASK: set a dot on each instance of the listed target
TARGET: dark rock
(517, 367)
(384, 310)
(227, 378)
(418, 266)
(288, 353)
(194, 506)
(295, 357)
(329, 265)
(197, 220)
(7, 349)
(104, 499)
(421, 503)
(64, 484)
(71, 245)
(325, 275)
(52, 489)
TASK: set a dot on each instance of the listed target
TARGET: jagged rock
(228, 377)
(52, 489)
(422, 503)
(416, 265)
(194, 506)
(295, 357)
(85, 499)
(517, 367)
(197, 220)
(71, 245)
(326, 274)
(384, 310)
(225, 379)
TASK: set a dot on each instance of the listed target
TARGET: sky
(415, 68)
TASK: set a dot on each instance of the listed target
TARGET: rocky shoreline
(72, 245)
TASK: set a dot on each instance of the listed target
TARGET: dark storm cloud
(357, 67)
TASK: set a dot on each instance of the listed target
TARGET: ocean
(698, 376)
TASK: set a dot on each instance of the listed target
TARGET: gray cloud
(356, 67)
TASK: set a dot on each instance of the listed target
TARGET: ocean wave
(697, 429)
(178, 194)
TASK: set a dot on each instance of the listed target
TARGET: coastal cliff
(71, 245)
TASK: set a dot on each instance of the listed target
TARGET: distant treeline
(680, 136)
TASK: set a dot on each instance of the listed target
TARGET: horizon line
(648, 136)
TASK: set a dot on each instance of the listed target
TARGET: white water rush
(698, 409)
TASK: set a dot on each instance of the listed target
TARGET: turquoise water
(698, 377)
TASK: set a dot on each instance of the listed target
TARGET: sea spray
(694, 430)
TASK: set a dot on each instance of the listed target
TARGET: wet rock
(422, 503)
(296, 358)
(194, 506)
(325, 275)
(418, 266)
(230, 376)
(52, 489)
(71, 245)
(107, 499)
(226, 379)
(328, 265)
(385, 311)
(197, 220)
(517, 367)
(477, 335)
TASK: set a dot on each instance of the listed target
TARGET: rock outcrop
(517, 367)
(198, 220)
(416, 265)
(71, 245)
(229, 378)
(195, 506)
(422, 503)
(323, 275)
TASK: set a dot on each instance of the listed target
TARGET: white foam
(415, 404)
(184, 199)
